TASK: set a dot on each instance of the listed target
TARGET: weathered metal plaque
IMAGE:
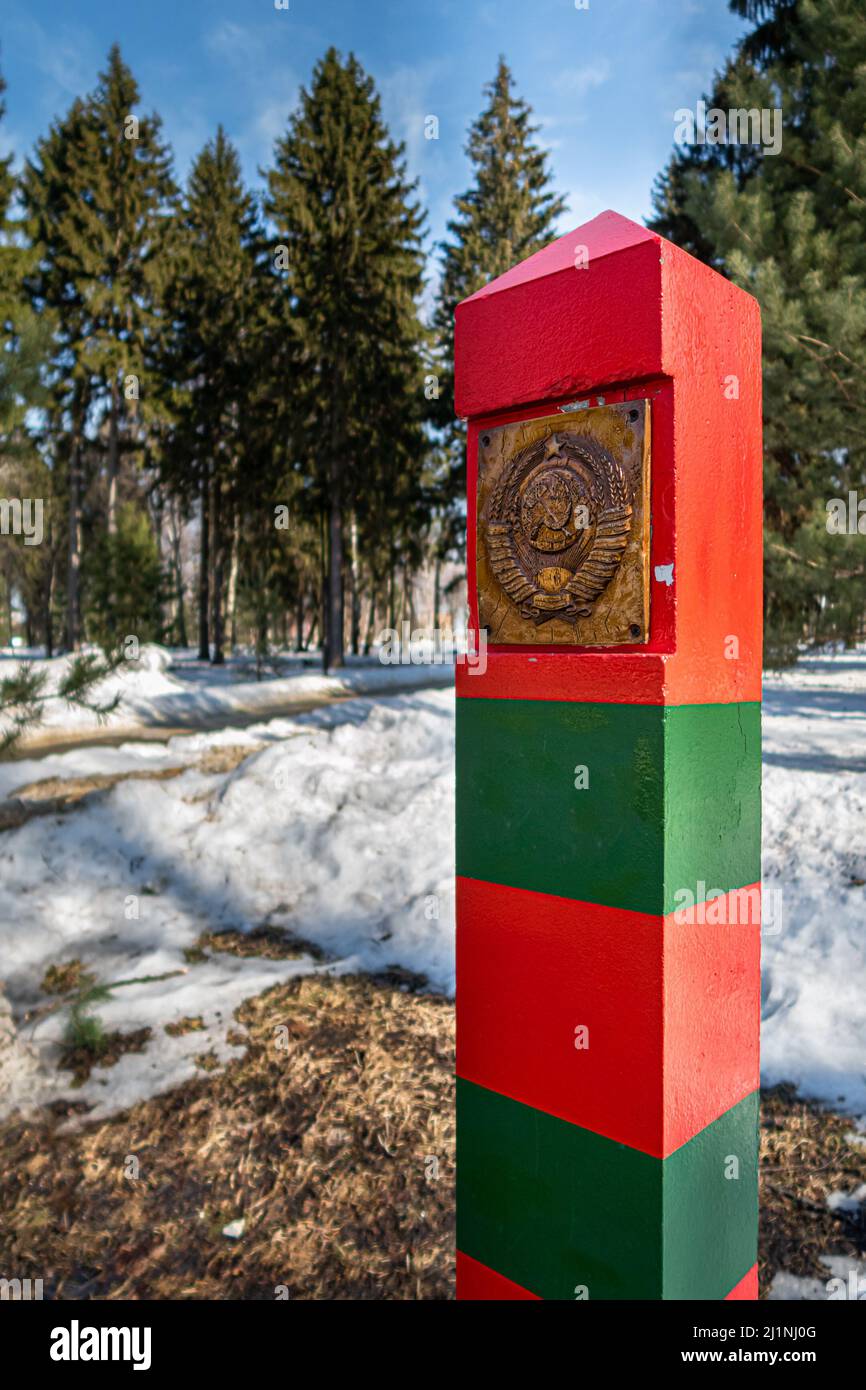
(563, 528)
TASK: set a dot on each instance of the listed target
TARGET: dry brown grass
(63, 978)
(804, 1157)
(192, 1023)
(320, 1144)
(271, 943)
(320, 1139)
(54, 796)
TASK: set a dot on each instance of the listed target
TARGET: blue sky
(604, 82)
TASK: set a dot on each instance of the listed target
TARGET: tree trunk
(355, 619)
(157, 517)
(332, 653)
(392, 595)
(218, 543)
(371, 616)
(437, 591)
(73, 566)
(261, 638)
(177, 570)
(299, 619)
(47, 613)
(232, 601)
(204, 573)
(113, 456)
(323, 581)
(7, 605)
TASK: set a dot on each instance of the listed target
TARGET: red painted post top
(612, 311)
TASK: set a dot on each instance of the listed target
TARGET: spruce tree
(349, 254)
(48, 188)
(117, 230)
(24, 337)
(217, 293)
(508, 213)
(791, 229)
(25, 345)
(96, 194)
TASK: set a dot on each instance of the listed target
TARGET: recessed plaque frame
(563, 528)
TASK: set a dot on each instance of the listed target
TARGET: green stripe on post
(558, 1209)
(654, 818)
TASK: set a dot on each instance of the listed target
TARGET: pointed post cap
(605, 235)
(584, 311)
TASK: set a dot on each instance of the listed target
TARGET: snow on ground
(170, 688)
(846, 1280)
(91, 761)
(339, 827)
(814, 968)
(139, 684)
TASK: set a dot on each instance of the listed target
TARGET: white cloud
(243, 48)
(63, 54)
(578, 81)
(409, 94)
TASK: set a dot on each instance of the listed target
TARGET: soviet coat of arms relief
(563, 528)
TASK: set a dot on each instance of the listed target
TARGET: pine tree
(791, 229)
(217, 291)
(507, 214)
(349, 252)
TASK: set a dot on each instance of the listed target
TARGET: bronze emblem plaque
(563, 528)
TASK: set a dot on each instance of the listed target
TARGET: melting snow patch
(847, 1202)
(846, 1281)
(338, 830)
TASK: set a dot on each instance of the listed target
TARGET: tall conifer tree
(48, 188)
(791, 228)
(509, 212)
(117, 234)
(217, 295)
(24, 339)
(97, 193)
(349, 249)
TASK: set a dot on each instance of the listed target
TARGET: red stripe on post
(616, 677)
(478, 1283)
(659, 1001)
(747, 1287)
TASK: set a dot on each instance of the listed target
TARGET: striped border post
(607, 1032)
